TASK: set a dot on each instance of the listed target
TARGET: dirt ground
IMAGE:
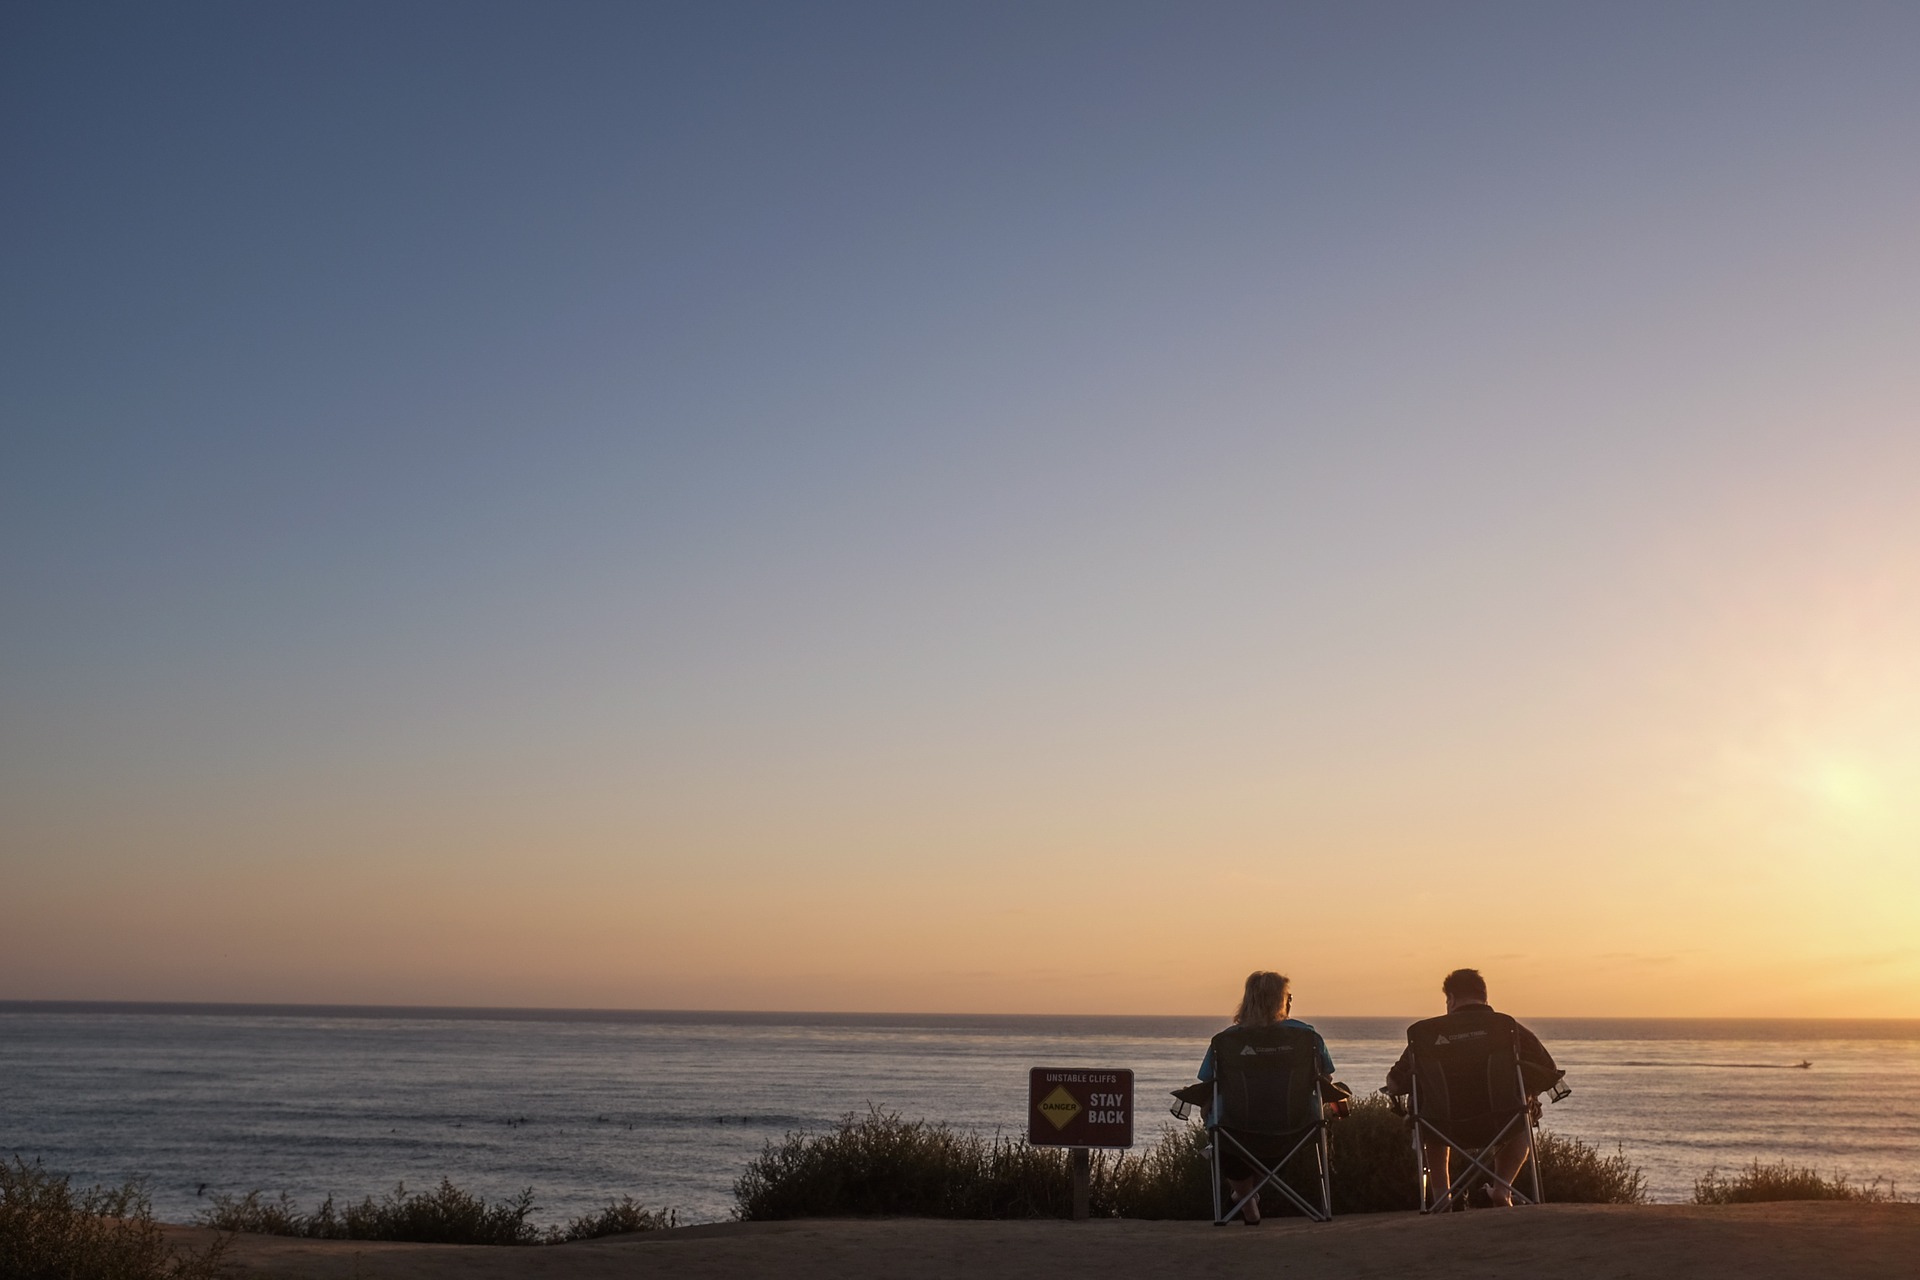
(1584, 1242)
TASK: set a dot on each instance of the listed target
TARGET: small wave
(1726, 1066)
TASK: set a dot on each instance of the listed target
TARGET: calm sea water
(669, 1107)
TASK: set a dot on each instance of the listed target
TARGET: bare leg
(1250, 1213)
(1509, 1158)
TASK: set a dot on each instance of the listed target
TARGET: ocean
(670, 1106)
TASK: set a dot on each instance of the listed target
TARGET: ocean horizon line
(1862, 1028)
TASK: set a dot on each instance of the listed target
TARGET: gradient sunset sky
(971, 507)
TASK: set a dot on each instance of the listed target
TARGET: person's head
(1463, 986)
(1265, 1001)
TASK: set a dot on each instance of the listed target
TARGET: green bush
(1169, 1179)
(1571, 1172)
(619, 1218)
(880, 1165)
(255, 1216)
(1371, 1171)
(49, 1233)
(1763, 1182)
(446, 1215)
(1373, 1165)
(1374, 1170)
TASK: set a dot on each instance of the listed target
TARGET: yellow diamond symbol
(1060, 1107)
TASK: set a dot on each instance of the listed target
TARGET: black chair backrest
(1464, 1063)
(1267, 1079)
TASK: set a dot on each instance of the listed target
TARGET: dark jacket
(1536, 1064)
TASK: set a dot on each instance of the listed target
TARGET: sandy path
(1588, 1242)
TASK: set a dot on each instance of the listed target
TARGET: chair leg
(1218, 1219)
(1324, 1154)
(1420, 1163)
(1533, 1166)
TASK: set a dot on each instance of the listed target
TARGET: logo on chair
(1060, 1107)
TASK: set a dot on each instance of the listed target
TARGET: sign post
(1081, 1108)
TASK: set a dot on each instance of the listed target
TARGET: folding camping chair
(1267, 1087)
(1469, 1091)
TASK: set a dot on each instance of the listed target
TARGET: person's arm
(1531, 1052)
(1538, 1072)
(1326, 1059)
(1206, 1065)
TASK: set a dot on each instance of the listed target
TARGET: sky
(970, 507)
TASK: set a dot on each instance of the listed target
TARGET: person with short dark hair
(1468, 1012)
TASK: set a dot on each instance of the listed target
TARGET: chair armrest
(1198, 1094)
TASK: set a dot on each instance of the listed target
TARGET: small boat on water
(1805, 1064)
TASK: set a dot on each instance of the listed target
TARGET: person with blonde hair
(1267, 1001)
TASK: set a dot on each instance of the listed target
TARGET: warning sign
(1060, 1107)
(1079, 1107)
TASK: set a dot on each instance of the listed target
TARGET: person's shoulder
(1487, 1015)
(1300, 1026)
(1519, 1024)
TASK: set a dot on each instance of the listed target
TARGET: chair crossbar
(1476, 1157)
(1476, 1160)
(1318, 1213)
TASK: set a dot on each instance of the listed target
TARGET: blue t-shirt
(1326, 1059)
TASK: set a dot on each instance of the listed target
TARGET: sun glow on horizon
(1035, 509)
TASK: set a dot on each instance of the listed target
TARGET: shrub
(617, 1219)
(1373, 1165)
(1374, 1169)
(880, 1165)
(255, 1216)
(1571, 1172)
(49, 1233)
(446, 1215)
(1169, 1179)
(1762, 1182)
(1371, 1171)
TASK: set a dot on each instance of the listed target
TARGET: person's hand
(1534, 1108)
